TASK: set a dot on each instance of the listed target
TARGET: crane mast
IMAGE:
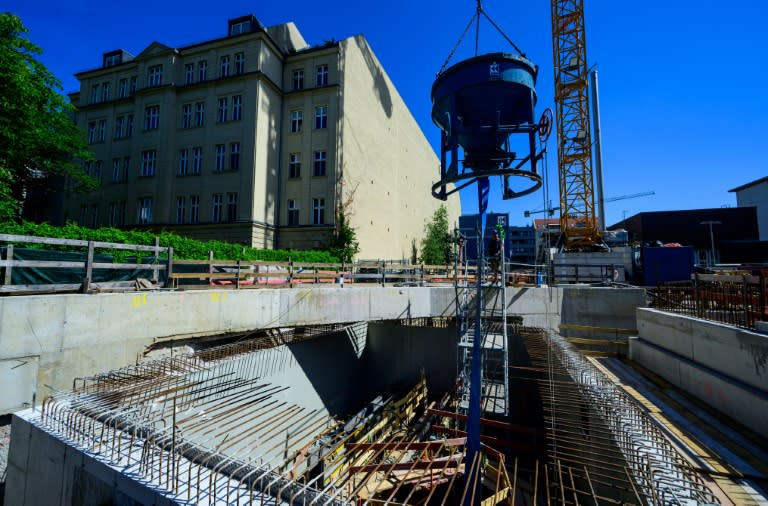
(574, 147)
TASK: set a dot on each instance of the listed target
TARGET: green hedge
(184, 248)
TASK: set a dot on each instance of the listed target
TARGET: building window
(122, 91)
(155, 76)
(186, 116)
(112, 214)
(202, 70)
(94, 215)
(221, 155)
(132, 86)
(298, 79)
(129, 125)
(296, 118)
(221, 111)
(231, 206)
(144, 216)
(152, 117)
(224, 66)
(91, 132)
(319, 165)
(119, 127)
(239, 63)
(322, 75)
(94, 93)
(96, 169)
(197, 160)
(199, 114)
(181, 209)
(217, 204)
(117, 170)
(237, 107)
(294, 165)
(148, 163)
(102, 130)
(194, 208)
(318, 211)
(106, 90)
(321, 117)
(189, 73)
(183, 162)
(293, 212)
(234, 156)
(241, 27)
(126, 171)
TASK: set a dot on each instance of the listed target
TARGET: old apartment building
(256, 138)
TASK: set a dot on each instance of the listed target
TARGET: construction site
(459, 391)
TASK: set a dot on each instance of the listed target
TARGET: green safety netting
(67, 275)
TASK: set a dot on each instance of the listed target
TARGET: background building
(519, 242)
(730, 228)
(255, 138)
(755, 194)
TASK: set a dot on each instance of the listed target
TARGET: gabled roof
(156, 48)
(748, 185)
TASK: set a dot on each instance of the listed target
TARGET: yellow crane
(578, 221)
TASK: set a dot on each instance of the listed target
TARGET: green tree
(344, 243)
(39, 142)
(436, 244)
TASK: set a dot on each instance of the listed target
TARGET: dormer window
(241, 27)
(243, 24)
(112, 58)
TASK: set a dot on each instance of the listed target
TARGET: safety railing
(83, 269)
(738, 300)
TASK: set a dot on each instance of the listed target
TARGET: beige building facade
(256, 138)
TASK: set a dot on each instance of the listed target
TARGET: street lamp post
(711, 236)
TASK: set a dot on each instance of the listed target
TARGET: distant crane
(551, 210)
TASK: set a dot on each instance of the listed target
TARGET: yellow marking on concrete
(139, 300)
(218, 297)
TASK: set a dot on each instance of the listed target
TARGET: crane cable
(476, 18)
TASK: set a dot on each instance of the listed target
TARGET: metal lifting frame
(574, 148)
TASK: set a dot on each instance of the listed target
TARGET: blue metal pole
(475, 380)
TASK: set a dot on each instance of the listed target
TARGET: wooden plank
(8, 279)
(88, 267)
(154, 267)
(42, 263)
(63, 287)
(401, 445)
(28, 239)
(406, 466)
(497, 497)
(204, 275)
(605, 330)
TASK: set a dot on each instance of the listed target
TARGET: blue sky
(683, 83)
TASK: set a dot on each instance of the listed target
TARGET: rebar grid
(592, 423)
(203, 426)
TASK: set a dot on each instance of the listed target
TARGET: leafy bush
(184, 248)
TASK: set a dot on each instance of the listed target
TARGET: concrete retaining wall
(42, 469)
(46, 341)
(721, 365)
